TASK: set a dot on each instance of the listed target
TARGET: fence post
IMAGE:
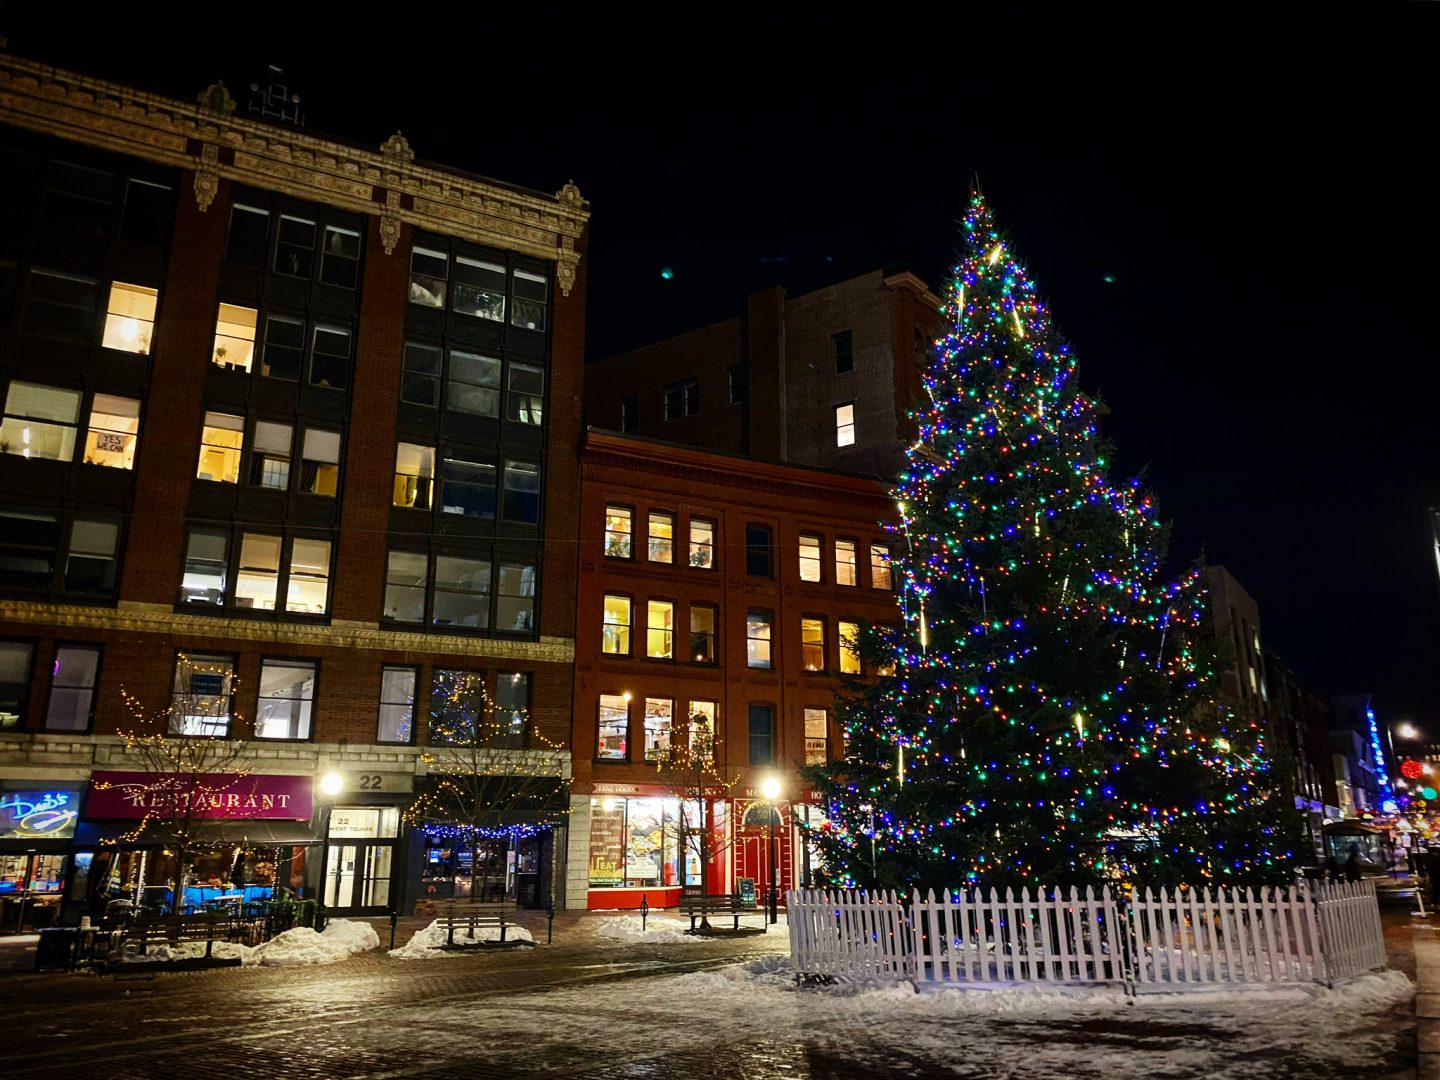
(1127, 946)
(1322, 938)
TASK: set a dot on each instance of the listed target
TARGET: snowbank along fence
(1147, 937)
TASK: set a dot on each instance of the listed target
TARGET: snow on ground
(297, 946)
(429, 942)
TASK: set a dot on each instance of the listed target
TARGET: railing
(1148, 937)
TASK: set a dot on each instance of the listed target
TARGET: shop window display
(635, 842)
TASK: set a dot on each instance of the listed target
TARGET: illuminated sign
(135, 795)
(31, 815)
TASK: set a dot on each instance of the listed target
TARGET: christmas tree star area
(1053, 717)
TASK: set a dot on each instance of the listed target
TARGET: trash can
(57, 947)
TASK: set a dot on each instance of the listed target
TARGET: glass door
(357, 877)
(340, 877)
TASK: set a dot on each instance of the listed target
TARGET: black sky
(1262, 196)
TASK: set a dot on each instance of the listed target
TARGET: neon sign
(28, 815)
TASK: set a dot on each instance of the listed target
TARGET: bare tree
(488, 770)
(687, 767)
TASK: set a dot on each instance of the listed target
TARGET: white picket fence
(1192, 935)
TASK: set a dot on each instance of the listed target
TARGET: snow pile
(298, 946)
(658, 928)
(430, 941)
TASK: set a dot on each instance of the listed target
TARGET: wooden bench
(481, 915)
(703, 906)
(173, 929)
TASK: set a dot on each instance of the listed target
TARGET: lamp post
(770, 788)
(867, 808)
(331, 784)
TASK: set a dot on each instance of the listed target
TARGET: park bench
(463, 920)
(173, 929)
(701, 906)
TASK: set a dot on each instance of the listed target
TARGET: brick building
(304, 412)
(716, 593)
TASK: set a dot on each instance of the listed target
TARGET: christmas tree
(1053, 715)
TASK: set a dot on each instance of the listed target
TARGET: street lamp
(867, 808)
(770, 788)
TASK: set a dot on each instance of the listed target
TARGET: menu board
(607, 846)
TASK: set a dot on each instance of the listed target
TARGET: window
(308, 588)
(60, 306)
(757, 638)
(79, 197)
(295, 247)
(478, 289)
(39, 421)
(660, 630)
(762, 735)
(420, 383)
(249, 235)
(206, 560)
(528, 309)
(844, 354)
(614, 732)
(659, 719)
(738, 380)
(235, 337)
(320, 462)
(845, 568)
(270, 455)
(850, 648)
(880, 567)
(702, 543)
(809, 557)
(682, 399)
(149, 212)
(428, 273)
(467, 488)
(405, 573)
(200, 695)
(284, 349)
(515, 605)
(474, 385)
(817, 724)
(257, 584)
(629, 413)
(812, 644)
(130, 317)
(524, 402)
(692, 396)
(845, 424)
(662, 537)
(414, 474)
(14, 682)
(702, 729)
(287, 695)
(221, 440)
(522, 492)
(512, 707)
(90, 562)
(757, 550)
(340, 261)
(619, 521)
(462, 592)
(703, 618)
(615, 630)
(397, 705)
(113, 431)
(330, 357)
(72, 688)
(27, 549)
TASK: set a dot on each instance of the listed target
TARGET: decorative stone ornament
(217, 99)
(397, 148)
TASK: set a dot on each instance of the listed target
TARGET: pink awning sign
(213, 796)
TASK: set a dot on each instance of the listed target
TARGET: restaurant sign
(221, 796)
(37, 815)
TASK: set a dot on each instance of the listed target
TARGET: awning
(267, 833)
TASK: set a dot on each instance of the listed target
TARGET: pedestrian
(1332, 869)
(1352, 864)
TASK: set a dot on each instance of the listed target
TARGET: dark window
(527, 306)
(340, 261)
(478, 289)
(630, 413)
(330, 358)
(72, 688)
(757, 550)
(249, 235)
(762, 735)
(739, 379)
(522, 492)
(512, 709)
(9, 278)
(90, 562)
(397, 705)
(284, 349)
(692, 397)
(420, 384)
(467, 487)
(28, 543)
(295, 247)
(682, 399)
(61, 306)
(149, 212)
(462, 592)
(14, 682)
(525, 397)
(474, 384)
(673, 401)
(79, 197)
(703, 618)
(844, 354)
(406, 575)
(17, 181)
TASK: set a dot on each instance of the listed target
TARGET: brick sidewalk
(1427, 999)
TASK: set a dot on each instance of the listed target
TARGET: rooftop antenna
(272, 99)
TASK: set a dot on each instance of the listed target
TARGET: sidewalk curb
(1427, 1002)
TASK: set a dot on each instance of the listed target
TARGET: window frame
(823, 739)
(706, 547)
(611, 547)
(26, 683)
(624, 756)
(754, 551)
(850, 569)
(414, 670)
(850, 661)
(662, 517)
(809, 624)
(628, 625)
(234, 662)
(663, 605)
(769, 638)
(768, 711)
(297, 662)
(879, 563)
(843, 428)
(818, 559)
(655, 753)
(844, 357)
(714, 633)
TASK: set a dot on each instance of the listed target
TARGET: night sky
(1254, 192)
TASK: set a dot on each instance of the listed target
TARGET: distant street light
(1407, 730)
(770, 788)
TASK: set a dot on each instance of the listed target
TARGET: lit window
(660, 630)
(221, 440)
(397, 705)
(809, 557)
(257, 585)
(295, 247)
(287, 695)
(662, 537)
(845, 568)
(816, 737)
(474, 385)
(420, 384)
(320, 462)
(414, 475)
(113, 431)
(130, 317)
(478, 289)
(270, 455)
(515, 603)
(522, 492)
(529, 301)
(702, 633)
(659, 719)
(428, 273)
(762, 735)
(701, 729)
(340, 262)
(524, 403)
(200, 695)
(14, 682)
(90, 563)
(614, 733)
(284, 349)
(206, 559)
(308, 590)
(880, 567)
(249, 235)
(812, 644)
(72, 688)
(757, 638)
(615, 630)
(235, 337)
(702, 543)
(849, 648)
(330, 357)
(619, 521)
(405, 573)
(462, 592)
(845, 424)
(467, 488)
(39, 422)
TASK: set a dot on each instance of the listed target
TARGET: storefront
(645, 845)
(37, 824)
(507, 863)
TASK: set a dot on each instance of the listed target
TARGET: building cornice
(209, 140)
